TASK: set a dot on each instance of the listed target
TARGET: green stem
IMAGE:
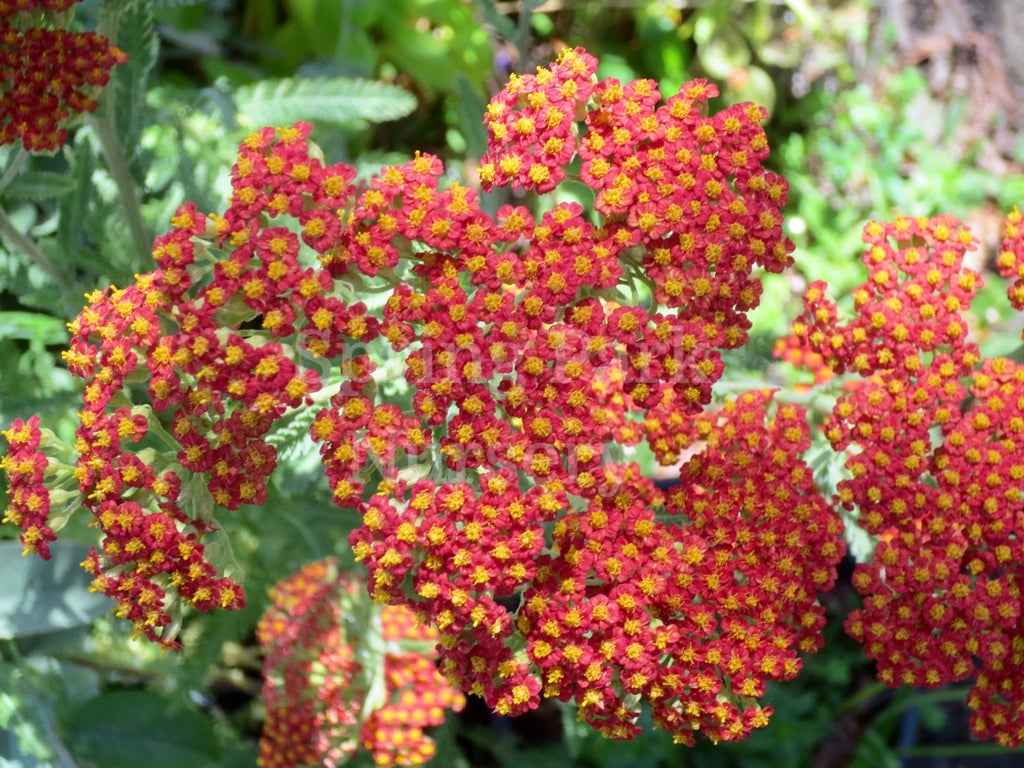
(863, 696)
(117, 164)
(523, 37)
(102, 122)
(13, 169)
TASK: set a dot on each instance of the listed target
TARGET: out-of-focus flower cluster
(29, 504)
(341, 674)
(935, 448)
(48, 75)
(326, 650)
(479, 382)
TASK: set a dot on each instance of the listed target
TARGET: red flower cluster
(529, 379)
(321, 664)
(48, 76)
(150, 542)
(1010, 261)
(29, 503)
(935, 450)
(692, 615)
(223, 387)
(535, 352)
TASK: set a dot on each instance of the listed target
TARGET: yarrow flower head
(933, 440)
(1010, 261)
(478, 410)
(48, 75)
(326, 650)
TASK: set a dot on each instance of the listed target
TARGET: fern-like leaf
(343, 101)
(138, 38)
(37, 186)
(290, 436)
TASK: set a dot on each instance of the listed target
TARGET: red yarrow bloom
(935, 461)
(49, 76)
(29, 499)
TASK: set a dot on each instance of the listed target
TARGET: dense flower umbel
(321, 664)
(936, 454)
(48, 76)
(530, 372)
(495, 497)
(693, 615)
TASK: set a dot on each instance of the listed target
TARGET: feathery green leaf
(348, 102)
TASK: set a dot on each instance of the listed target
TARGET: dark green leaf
(127, 729)
(46, 596)
(137, 37)
(470, 106)
(502, 24)
(340, 100)
(71, 234)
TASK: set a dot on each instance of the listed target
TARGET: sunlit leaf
(46, 596)
(340, 100)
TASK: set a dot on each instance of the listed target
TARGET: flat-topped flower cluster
(477, 375)
(48, 75)
(934, 439)
(532, 351)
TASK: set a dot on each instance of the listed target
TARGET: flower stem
(117, 164)
(102, 123)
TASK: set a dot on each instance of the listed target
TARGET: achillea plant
(477, 383)
(498, 505)
(48, 75)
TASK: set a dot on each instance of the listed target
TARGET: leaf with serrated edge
(343, 101)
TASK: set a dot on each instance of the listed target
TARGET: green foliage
(870, 153)
(136, 32)
(42, 596)
(125, 729)
(345, 102)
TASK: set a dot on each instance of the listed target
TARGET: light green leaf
(39, 185)
(46, 596)
(344, 101)
(45, 330)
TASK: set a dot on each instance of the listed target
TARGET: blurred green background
(908, 108)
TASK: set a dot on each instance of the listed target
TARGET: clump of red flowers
(341, 674)
(933, 438)
(48, 75)
(28, 505)
(480, 410)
